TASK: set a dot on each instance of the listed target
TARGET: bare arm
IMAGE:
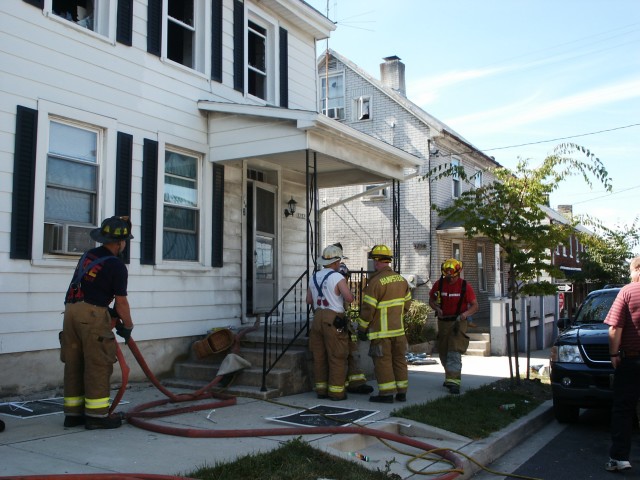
(309, 297)
(123, 310)
(615, 336)
(473, 308)
(343, 289)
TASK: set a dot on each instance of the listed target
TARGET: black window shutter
(216, 40)
(149, 202)
(154, 27)
(284, 68)
(36, 3)
(238, 46)
(124, 30)
(24, 168)
(217, 221)
(124, 156)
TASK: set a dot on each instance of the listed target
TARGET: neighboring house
(362, 216)
(198, 118)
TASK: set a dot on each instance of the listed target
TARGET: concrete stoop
(480, 344)
(290, 376)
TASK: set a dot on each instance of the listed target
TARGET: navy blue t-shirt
(105, 279)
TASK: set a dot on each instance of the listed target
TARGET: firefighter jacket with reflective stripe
(385, 300)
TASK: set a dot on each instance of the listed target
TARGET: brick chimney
(566, 211)
(392, 74)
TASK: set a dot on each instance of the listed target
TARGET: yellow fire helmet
(451, 267)
(382, 253)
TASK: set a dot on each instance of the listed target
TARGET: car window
(595, 308)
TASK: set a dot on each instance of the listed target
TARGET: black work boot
(381, 398)
(401, 397)
(71, 421)
(364, 389)
(96, 423)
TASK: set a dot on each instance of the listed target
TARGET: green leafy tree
(607, 250)
(510, 212)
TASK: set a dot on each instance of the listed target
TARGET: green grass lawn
(474, 414)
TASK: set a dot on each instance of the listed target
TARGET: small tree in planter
(420, 333)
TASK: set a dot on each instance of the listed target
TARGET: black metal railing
(289, 319)
(283, 324)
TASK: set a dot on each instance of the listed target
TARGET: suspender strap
(463, 291)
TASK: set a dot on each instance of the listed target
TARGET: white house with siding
(360, 216)
(198, 118)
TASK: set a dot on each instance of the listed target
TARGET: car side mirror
(563, 323)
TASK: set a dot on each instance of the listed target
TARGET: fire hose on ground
(139, 416)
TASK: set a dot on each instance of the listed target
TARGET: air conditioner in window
(334, 112)
(376, 192)
(64, 238)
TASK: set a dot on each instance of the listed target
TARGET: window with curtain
(72, 174)
(181, 207)
(332, 95)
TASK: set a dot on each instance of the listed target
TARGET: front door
(261, 247)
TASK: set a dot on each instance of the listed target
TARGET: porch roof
(282, 136)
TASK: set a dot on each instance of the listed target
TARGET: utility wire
(561, 138)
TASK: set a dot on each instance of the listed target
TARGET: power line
(605, 196)
(560, 138)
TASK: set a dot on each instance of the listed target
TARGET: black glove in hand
(124, 332)
(362, 335)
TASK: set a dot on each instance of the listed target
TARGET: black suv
(581, 371)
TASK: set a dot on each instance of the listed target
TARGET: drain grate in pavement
(32, 408)
(325, 416)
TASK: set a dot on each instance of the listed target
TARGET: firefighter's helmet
(451, 267)
(382, 253)
(330, 254)
(113, 229)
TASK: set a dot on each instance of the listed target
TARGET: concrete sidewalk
(40, 445)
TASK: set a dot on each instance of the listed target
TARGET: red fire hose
(138, 415)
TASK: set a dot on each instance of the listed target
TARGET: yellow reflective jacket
(385, 299)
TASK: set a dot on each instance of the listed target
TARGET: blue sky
(511, 72)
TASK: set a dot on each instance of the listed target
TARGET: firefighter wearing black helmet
(385, 300)
(453, 301)
(88, 345)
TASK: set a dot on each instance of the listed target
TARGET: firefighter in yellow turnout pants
(454, 301)
(329, 335)
(386, 298)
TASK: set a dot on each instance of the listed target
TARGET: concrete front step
(480, 345)
(235, 390)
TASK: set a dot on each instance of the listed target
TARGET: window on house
(482, 274)
(477, 179)
(375, 191)
(257, 61)
(455, 163)
(181, 207)
(332, 96)
(71, 189)
(93, 15)
(456, 250)
(363, 108)
(181, 32)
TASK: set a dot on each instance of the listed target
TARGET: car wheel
(565, 413)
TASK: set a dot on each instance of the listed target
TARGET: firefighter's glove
(362, 335)
(456, 325)
(124, 332)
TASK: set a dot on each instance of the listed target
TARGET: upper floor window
(181, 212)
(477, 179)
(184, 40)
(257, 61)
(332, 96)
(363, 108)
(455, 164)
(94, 15)
(71, 187)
